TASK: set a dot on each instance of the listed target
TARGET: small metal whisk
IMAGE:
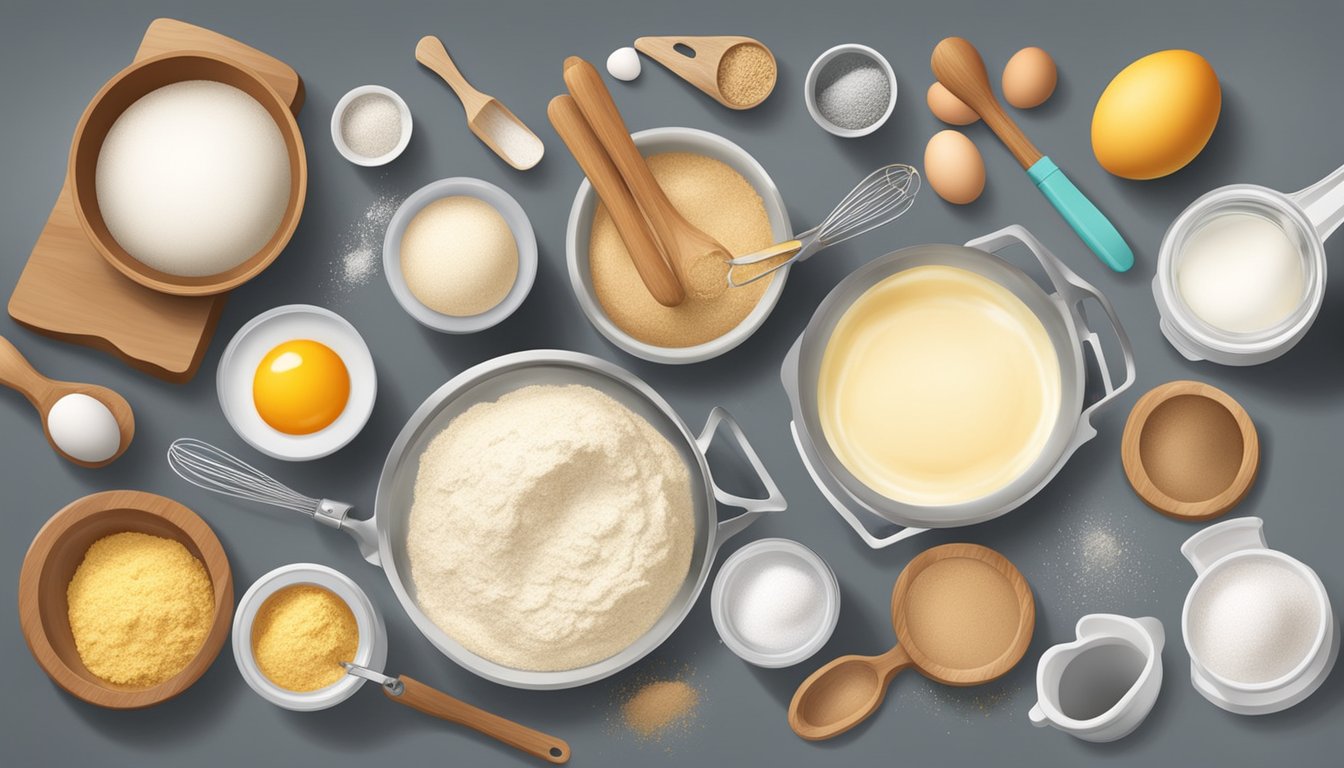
(879, 199)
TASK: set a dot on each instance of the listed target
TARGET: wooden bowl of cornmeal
(1190, 450)
(51, 563)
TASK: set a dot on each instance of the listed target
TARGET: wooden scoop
(625, 214)
(699, 261)
(18, 374)
(965, 594)
(491, 121)
(697, 60)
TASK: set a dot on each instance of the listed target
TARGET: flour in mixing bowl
(550, 528)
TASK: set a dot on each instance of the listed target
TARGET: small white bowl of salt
(775, 603)
(371, 125)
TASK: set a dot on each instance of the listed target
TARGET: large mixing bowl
(652, 142)
(1060, 313)
(382, 538)
(123, 90)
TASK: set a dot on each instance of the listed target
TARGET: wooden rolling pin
(606, 180)
(699, 261)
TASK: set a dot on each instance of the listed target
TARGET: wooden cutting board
(67, 290)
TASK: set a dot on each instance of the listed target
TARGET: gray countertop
(1086, 543)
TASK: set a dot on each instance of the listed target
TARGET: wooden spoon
(491, 121)
(697, 60)
(625, 214)
(699, 261)
(18, 374)
(958, 66)
(435, 703)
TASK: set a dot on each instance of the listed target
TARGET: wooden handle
(958, 66)
(436, 703)
(653, 269)
(598, 108)
(18, 374)
(431, 53)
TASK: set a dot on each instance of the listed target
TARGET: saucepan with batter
(941, 386)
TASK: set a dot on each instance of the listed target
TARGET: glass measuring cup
(1307, 217)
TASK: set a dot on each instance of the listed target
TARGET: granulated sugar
(853, 91)
(371, 125)
(657, 706)
(1094, 562)
(1254, 620)
(746, 74)
(550, 528)
(362, 247)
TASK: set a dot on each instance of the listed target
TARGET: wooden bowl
(1189, 450)
(57, 551)
(123, 90)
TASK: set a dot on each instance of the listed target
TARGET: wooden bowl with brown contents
(57, 551)
(123, 90)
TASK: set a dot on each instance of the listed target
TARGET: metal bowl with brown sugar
(123, 90)
(57, 551)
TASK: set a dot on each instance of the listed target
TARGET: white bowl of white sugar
(775, 603)
(850, 90)
(371, 125)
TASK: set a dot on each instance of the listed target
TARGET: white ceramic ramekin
(338, 137)
(726, 582)
(651, 142)
(810, 89)
(371, 653)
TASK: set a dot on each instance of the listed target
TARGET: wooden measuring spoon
(958, 66)
(491, 121)
(435, 703)
(699, 261)
(961, 591)
(697, 60)
(606, 180)
(18, 374)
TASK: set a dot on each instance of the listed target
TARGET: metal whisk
(214, 469)
(880, 198)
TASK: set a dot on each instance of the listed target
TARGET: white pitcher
(1101, 686)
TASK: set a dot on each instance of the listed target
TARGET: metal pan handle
(1073, 291)
(752, 508)
(1323, 203)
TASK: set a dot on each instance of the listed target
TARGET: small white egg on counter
(83, 428)
(623, 64)
(954, 167)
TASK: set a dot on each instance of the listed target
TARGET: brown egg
(954, 167)
(1029, 78)
(949, 108)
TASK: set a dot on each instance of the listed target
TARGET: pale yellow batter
(938, 386)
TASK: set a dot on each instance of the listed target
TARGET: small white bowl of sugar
(850, 90)
(371, 125)
(775, 603)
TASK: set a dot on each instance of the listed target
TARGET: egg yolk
(301, 387)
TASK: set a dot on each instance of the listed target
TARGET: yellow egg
(300, 387)
(954, 167)
(1029, 78)
(1156, 115)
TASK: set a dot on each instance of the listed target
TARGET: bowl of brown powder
(720, 189)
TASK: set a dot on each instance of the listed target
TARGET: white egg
(84, 428)
(623, 63)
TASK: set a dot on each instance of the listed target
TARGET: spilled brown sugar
(656, 707)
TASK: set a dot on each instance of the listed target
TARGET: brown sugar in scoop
(1189, 450)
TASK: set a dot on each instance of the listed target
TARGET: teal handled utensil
(958, 66)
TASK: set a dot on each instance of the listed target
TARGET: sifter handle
(436, 703)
